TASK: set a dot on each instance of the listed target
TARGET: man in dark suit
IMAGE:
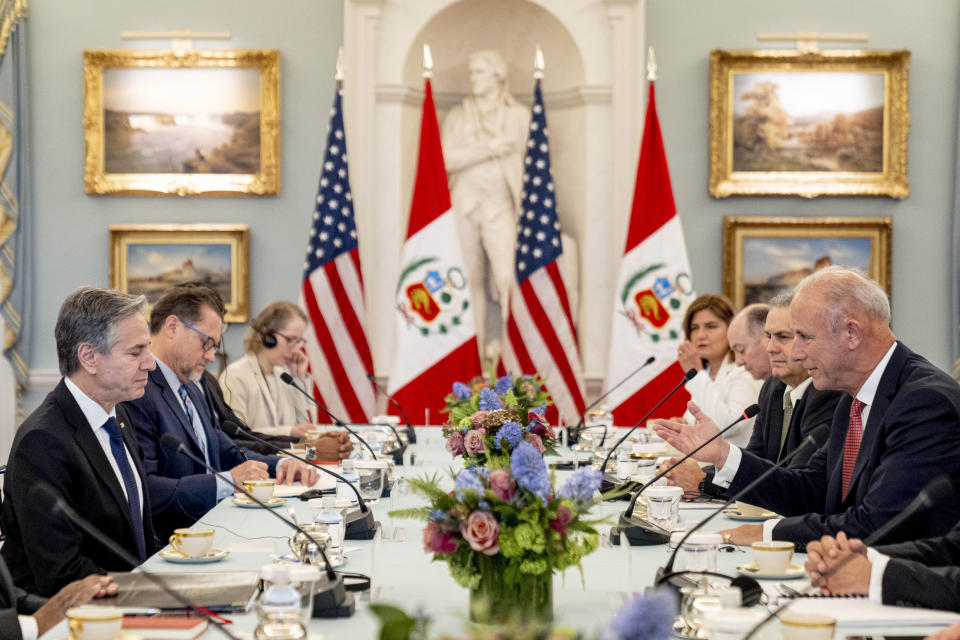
(921, 573)
(897, 427)
(790, 406)
(186, 325)
(25, 616)
(81, 444)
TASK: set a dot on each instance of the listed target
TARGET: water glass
(663, 506)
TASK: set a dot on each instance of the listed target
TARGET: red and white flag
(436, 337)
(332, 290)
(652, 293)
(540, 337)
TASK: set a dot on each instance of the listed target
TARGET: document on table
(861, 612)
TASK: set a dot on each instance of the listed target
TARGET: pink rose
(502, 485)
(481, 531)
(536, 441)
(477, 419)
(436, 542)
(473, 442)
(564, 516)
(455, 444)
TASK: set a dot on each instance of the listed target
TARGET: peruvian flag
(436, 338)
(652, 293)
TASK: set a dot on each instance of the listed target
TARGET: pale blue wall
(71, 228)
(684, 32)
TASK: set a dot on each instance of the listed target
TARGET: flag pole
(427, 62)
(651, 65)
(338, 76)
(538, 65)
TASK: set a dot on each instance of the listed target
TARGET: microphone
(44, 492)
(287, 378)
(571, 437)
(331, 600)
(808, 443)
(932, 494)
(748, 413)
(411, 434)
(686, 378)
(360, 524)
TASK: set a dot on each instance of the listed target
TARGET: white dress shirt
(724, 398)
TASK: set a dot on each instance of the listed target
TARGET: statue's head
(488, 71)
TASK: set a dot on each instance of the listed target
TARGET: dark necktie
(852, 445)
(785, 426)
(129, 483)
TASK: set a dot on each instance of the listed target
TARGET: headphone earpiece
(267, 338)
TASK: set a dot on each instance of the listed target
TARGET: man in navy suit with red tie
(186, 327)
(81, 443)
(897, 427)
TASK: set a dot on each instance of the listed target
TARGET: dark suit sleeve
(60, 559)
(912, 584)
(920, 441)
(9, 625)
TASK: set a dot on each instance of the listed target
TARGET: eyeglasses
(296, 342)
(209, 344)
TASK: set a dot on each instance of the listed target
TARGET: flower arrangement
(487, 423)
(504, 532)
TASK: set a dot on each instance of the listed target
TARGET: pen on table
(140, 611)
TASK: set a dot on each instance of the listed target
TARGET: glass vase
(496, 601)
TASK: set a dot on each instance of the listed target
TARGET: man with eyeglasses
(186, 327)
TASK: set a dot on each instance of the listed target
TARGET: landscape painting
(182, 122)
(152, 259)
(766, 256)
(808, 121)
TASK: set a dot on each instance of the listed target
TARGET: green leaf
(394, 623)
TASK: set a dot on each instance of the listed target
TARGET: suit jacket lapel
(169, 396)
(88, 443)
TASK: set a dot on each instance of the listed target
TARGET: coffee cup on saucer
(262, 490)
(749, 510)
(806, 626)
(192, 542)
(90, 622)
(773, 557)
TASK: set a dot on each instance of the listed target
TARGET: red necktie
(852, 445)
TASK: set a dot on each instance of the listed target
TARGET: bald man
(897, 427)
(745, 335)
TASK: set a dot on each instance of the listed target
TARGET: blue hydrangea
(489, 400)
(646, 617)
(530, 426)
(509, 435)
(504, 384)
(581, 485)
(541, 410)
(461, 391)
(438, 514)
(468, 479)
(484, 505)
(530, 471)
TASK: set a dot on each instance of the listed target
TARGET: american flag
(540, 336)
(332, 292)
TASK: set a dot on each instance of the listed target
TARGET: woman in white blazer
(721, 388)
(252, 385)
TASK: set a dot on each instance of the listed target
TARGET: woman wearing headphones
(252, 385)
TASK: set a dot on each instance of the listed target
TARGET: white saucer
(214, 555)
(247, 503)
(734, 514)
(793, 571)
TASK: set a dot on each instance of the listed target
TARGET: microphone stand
(642, 532)
(287, 378)
(411, 434)
(573, 437)
(933, 493)
(331, 599)
(360, 524)
(607, 484)
(59, 504)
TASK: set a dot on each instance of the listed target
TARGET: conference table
(403, 575)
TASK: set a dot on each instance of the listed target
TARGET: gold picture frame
(765, 256)
(179, 123)
(152, 258)
(809, 123)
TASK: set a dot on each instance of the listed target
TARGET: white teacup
(806, 626)
(750, 510)
(90, 622)
(772, 558)
(262, 490)
(192, 542)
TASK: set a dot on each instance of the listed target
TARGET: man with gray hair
(81, 443)
(897, 427)
(745, 335)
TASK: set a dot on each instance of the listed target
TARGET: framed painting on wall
(767, 256)
(150, 259)
(182, 122)
(809, 123)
